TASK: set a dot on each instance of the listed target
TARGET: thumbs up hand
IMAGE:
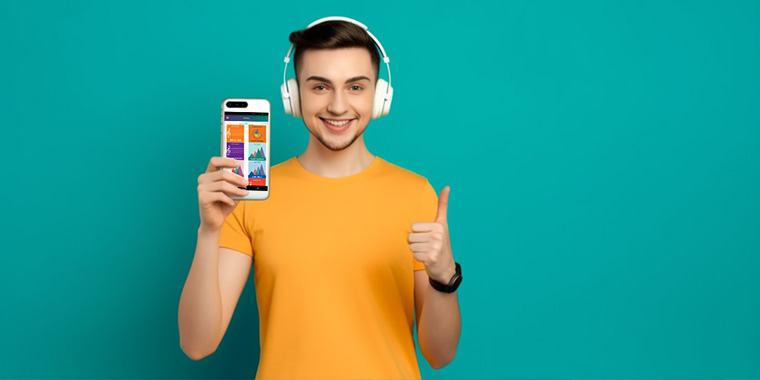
(429, 241)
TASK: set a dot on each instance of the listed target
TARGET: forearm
(200, 305)
(439, 327)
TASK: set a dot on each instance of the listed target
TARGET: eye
(320, 87)
(356, 87)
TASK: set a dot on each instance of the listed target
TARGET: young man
(343, 251)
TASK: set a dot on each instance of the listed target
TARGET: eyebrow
(349, 80)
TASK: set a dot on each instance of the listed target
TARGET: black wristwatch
(453, 284)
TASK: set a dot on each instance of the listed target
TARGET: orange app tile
(235, 133)
(257, 133)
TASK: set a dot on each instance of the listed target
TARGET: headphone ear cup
(286, 99)
(292, 103)
(382, 100)
(387, 105)
(295, 99)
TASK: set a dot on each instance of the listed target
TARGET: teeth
(337, 123)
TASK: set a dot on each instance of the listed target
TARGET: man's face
(337, 88)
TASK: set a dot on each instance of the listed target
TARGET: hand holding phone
(215, 189)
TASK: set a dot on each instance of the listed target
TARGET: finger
(443, 204)
(229, 188)
(221, 186)
(222, 175)
(217, 163)
(209, 198)
(419, 237)
(229, 176)
(420, 247)
(425, 226)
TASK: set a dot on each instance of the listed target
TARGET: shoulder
(406, 176)
(416, 193)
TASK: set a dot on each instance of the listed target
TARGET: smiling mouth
(336, 123)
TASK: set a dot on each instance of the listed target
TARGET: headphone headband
(337, 18)
(346, 19)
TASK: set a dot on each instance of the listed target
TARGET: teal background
(603, 160)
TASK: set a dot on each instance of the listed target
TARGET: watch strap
(453, 284)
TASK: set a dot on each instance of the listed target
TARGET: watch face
(457, 279)
(456, 282)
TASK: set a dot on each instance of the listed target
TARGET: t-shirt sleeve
(234, 234)
(427, 207)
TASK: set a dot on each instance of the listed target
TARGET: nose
(337, 103)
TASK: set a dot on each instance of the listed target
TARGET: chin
(337, 141)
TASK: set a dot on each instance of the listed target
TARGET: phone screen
(246, 141)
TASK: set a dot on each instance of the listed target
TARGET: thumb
(443, 204)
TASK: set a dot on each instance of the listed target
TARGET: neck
(324, 162)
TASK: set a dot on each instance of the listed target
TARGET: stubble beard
(331, 145)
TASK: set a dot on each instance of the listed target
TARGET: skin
(338, 85)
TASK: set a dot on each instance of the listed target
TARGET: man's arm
(438, 321)
(211, 293)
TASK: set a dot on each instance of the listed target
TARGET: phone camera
(237, 104)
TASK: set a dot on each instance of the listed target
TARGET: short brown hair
(333, 35)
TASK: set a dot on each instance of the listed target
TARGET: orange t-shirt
(333, 271)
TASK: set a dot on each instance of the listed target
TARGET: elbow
(438, 353)
(194, 348)
(195, 354)
(438, 363)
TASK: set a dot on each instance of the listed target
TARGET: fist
(430, 244)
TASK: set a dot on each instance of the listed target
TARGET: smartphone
(246, 137)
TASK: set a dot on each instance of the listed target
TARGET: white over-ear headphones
(383, 89)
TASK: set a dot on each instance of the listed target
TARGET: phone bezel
(254, 105)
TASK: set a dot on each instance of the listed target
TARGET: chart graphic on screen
(256, 174)
(257, 152)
